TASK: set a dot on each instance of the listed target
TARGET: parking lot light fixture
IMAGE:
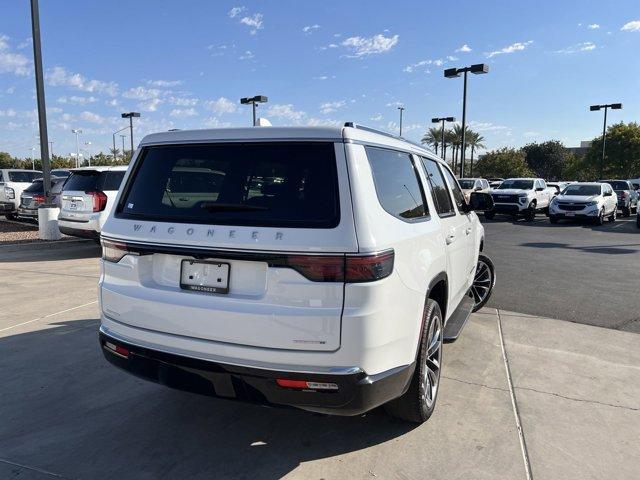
(115, 156)
(595, 108)
(130, 116)
(77, 132)
(253, 101)
(401, 108)
(476, 69)
(442, 120)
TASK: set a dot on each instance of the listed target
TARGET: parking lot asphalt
(571, 271)
(67, 413)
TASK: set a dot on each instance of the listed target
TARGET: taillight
(113, 251)
(305, 385)
(99, 200)
(623, 194)
(38, 198)
(341, 268)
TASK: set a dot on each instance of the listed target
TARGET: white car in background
(87, 198)
(521, 196)
(469, 185)
(13, 181)
(588, 200)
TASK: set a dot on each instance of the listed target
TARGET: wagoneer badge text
(210, 232)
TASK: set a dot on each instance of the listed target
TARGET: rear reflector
(305, 385)
(117, 349)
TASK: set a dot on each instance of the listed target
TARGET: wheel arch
(439, 291)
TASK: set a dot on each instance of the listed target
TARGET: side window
(439, 190)
(1, 179)
(458, 196)
(397, 184)
(479, 184)
(486, 184)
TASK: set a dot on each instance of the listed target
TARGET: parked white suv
(320, 268)
(593, 201)
(521, 196)
(87, 198)
(13, 181)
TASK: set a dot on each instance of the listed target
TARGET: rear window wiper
(230, 207)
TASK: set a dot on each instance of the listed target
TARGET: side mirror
(480, 202)
(607, 194)
(477, 189)
(539, 189)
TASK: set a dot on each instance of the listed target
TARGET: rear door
(238, 243)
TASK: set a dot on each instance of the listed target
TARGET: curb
(44, 245)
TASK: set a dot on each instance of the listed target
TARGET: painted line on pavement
(47, 316)
(514, 404)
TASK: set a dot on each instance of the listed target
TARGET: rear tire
(638, 221)
(489, 215)
(600, 219)
(613, 216)
(418, 402)
(483, 282)
(530, 213)
(11, 216)
(626, 211)
(553, 219)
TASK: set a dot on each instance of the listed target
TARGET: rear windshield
(261, 184)
(23, 177)
(617, 184)
(91, 180)
(582, 190)
(38, 187)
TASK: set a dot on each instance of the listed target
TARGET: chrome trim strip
(245, 140)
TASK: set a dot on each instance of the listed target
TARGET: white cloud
(183, 112)
(254, 22)
(580, 47)
(414, 66)
(395, 104)
(75, 100)
(235, 11)
(310, 28)
(464, 49)
(330, 107)
(92, 117)
(632, 26)
(248, 55)
(221, 106)
(164, 83)
(376, 118)
(8, 113)
(487, 127)
(150, 105)
(11, 62)
(322, 122)
(362, 46)
(514, 47)
(286, 111)
(213, 122)
(531, 134)
(593, 26)
(142, 93)
(183, 101)
(61, 77)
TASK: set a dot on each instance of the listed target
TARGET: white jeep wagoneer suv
(320, 268)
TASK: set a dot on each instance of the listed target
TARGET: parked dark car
(627, 196)
(33, 196)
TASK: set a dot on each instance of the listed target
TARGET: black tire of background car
(530, 213)
(626, 211)
(613, 216)
(411, 406)
(600, 218)
(553, 219)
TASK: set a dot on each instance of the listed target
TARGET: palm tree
(449, 139)
(475, 142)
(432, 138)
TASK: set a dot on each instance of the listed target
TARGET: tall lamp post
(401, 108)
(77, 132)
(442, 120)
(594, 108)
(123, 137)
(130, 116)
(115, 156)
(253, 101)
(478, 68)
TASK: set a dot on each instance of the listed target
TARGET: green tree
(504, 163)
(475, 142)
(547, 159)
(622, 158)
(432, 138)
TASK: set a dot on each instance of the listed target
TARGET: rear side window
(439, 190)
(278, 184)
(83, 181)
(397, 185)
(111, 180)
(23, 177)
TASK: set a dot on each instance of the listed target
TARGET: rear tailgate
(77, 200)
(235, 243)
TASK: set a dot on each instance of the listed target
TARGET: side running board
(458, 320)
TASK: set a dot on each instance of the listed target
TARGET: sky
(186, 65)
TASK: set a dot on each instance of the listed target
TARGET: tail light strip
(349, 268)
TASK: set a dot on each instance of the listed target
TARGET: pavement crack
(34, 469)
(476, 384)
(583, 400)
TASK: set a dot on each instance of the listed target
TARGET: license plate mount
(205, 276)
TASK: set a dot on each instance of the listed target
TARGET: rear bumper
(79, 228)
(28, 213)
(7, 207)
(357, 392)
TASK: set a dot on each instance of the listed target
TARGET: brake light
(117, 349)
(99, 200)
(305, 385)
(623, 194)
(113, 251)
(38, 198)
(341, 268)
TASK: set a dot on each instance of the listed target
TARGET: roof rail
(386, 134)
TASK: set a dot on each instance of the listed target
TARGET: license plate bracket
(205, 276)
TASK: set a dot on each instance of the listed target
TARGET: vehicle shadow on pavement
(67, 411)
(607, 250)
(620, 226)
(64, 251)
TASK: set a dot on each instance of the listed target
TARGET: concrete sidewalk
(67, 413)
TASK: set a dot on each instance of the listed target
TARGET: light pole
(130, 116)
(115, 156)
(123, 137)
(254, 101)
(86, 144)
(594, 108)
(77, 132)
(478, 68)
(442, 120)
(33, 162)
(401, 108)
(51, 148)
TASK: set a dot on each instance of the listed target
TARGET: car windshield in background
(466, 184)
(617, 184)
(517, 184)
(38, 187)
(582, 190)
(274, 184)
(23, 177)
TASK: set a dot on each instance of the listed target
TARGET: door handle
(468, 230)
(450, 239)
